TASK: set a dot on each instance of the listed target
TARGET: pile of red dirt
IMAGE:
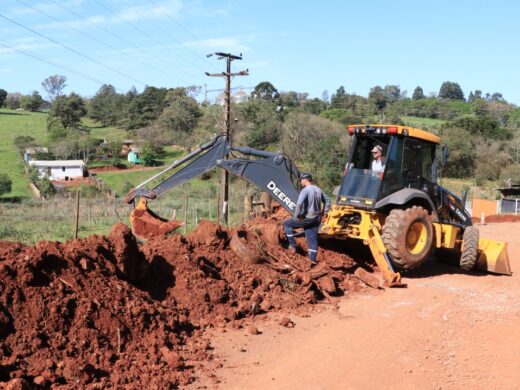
(103, 311)
(72, 314)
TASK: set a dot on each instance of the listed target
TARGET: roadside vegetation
(480, 129)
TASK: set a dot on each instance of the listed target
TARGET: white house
(59, 169)
(240, 97)
(236, 98)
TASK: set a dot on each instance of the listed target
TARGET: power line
(181, 26)
(71, 49)
(141, 31)
(48, 62)
(90, 36)
(118, 37)
(163, 30)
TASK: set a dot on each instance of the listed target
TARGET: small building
(134, 155)
(510, 198)
(240, 97)
(236, 98)
(126, 147)
(30, 153)
(60, 169)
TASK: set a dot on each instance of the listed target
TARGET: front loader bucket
(146, 224)
(493, 257)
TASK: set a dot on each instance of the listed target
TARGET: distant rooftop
(37, 149)
(57, 163)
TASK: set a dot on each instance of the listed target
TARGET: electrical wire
(49, 62)
(72, 50)
(91, 37)
(181, 26)
(164, 31)
(136, 27)
(106, 31)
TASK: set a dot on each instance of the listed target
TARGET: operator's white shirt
(378, 166)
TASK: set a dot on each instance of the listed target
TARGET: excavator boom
(274, 173)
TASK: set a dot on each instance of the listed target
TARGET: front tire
(469, 251)
(408, 236)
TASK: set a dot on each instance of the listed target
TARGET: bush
(89, 191)
(24, 141)
(45, 186)
(5, 184)
(117, 162)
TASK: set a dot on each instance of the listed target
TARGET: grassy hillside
(432, 125)
(13, 124)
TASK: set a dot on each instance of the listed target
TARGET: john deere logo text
(280, 195)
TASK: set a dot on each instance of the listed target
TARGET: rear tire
(408, 235)
(469, 251)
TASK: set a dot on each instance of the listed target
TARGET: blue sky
(303, 46)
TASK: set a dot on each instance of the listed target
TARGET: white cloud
(160, 10)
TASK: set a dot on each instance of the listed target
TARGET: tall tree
(378, 97)
(54, 86)
(451, 90)
(101, 106)
(3, 95)
(67, 111)
(339, 98)
(392, 92)
(180, 114)
(418, 93)
(32, 102)
(13, 100)
(325, 96)
(265, 90)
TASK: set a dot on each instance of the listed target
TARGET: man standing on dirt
(307, 215)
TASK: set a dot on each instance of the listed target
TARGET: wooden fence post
(77, 216)
(248, 205)
(218, 207)
(185, 212)
(266, 202)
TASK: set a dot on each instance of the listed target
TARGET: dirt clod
(287, 322)
(369, 279)
(253, 330)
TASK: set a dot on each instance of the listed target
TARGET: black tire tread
(394, 231)
(469, 252)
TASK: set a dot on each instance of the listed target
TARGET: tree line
(482, 131)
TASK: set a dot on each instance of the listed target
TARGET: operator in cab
(378, 163)
(307, 215)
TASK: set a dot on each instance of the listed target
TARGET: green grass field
(13, 124)
(432, 125)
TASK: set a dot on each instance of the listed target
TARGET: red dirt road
(447, 330)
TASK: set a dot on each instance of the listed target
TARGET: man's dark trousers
(310, 227)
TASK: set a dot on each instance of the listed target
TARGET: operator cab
(408, 160)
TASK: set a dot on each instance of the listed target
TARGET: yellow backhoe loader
(398, 210)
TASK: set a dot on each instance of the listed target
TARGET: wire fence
(54, 219)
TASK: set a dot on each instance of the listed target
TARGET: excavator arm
(274, 173)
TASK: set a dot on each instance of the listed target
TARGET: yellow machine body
(492, 254)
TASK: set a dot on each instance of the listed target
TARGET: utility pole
(227, 74)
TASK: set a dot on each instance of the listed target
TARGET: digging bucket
(146, 224)
(493, 257)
